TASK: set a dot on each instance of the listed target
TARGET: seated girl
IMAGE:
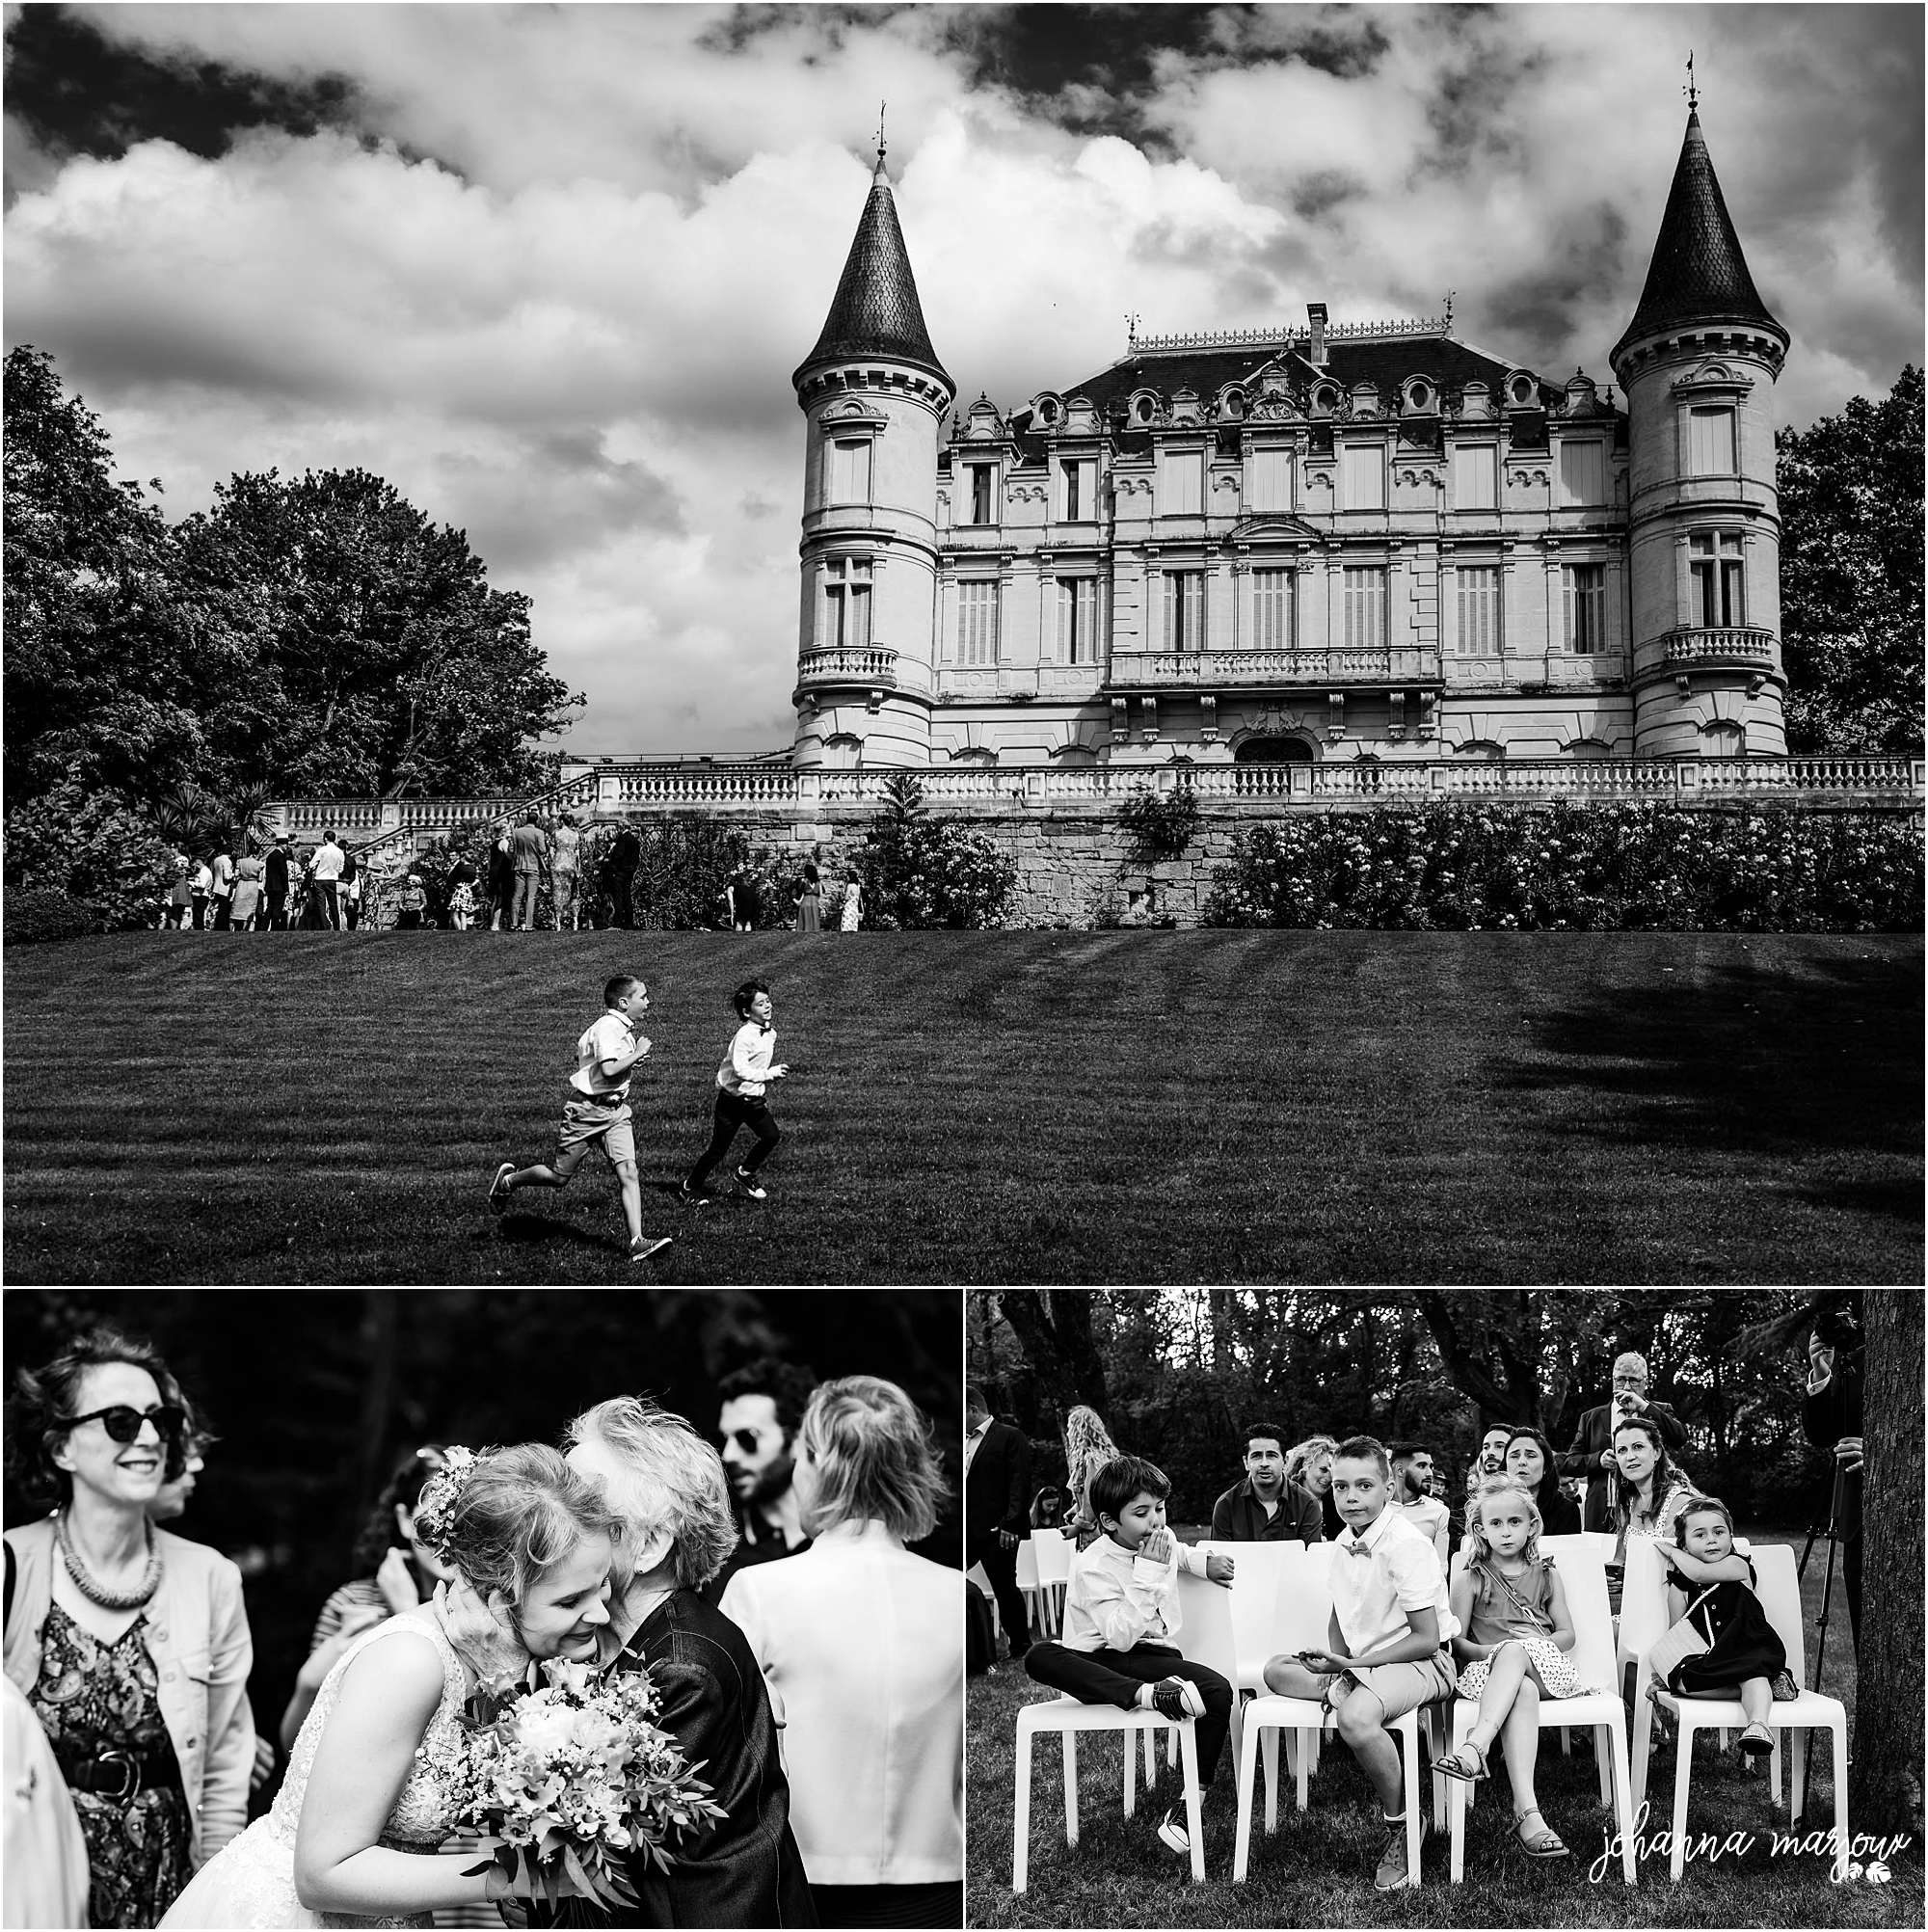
(1514, 1635)
(1710, 1583)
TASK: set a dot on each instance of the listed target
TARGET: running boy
(1386, 1649)
(597, 1111)
(741, 1083)
(1121, 1611)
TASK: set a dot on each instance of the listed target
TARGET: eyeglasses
(123, 1423)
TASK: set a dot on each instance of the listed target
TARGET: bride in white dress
(351, 1838)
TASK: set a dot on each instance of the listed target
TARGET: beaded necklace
(96, 1592)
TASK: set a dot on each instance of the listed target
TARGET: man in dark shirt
(762, 1409)
(1265, 1508)
(619, 873)
(997, 1508)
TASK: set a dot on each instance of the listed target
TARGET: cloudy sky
(547, 269)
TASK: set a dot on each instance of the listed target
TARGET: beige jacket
(198, 1637)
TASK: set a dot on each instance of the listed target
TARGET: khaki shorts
(591, 1121)
(1404, 1687)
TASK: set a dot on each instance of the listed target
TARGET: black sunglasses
(745, 1439)
(123, 1423)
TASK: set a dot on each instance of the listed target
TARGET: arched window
(1272, 751)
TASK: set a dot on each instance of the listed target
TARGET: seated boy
(1387, 1639)
(1121, 1611)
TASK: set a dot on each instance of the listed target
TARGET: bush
(93, 849)
(1577, 868)
(921, 872)
(1158, 825)
(43, 912)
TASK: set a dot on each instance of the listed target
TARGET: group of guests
(267, 890)
(1451, 1595)
(734, 1578)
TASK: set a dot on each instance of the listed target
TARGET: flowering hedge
(1577, 868)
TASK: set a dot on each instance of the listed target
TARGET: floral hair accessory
(442, 1495)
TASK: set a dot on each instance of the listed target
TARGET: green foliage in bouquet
(1576, 868)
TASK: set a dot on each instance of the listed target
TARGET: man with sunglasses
(762, 1409)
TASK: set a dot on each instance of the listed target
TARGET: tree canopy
(1851, 609)
(311, 636)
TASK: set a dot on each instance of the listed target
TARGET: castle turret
(875, 397)
(1698, 362)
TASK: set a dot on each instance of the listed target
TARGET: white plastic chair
(1303, 1609)
(1583, 1578)
(975, 1576)
(1036, 1601)
(1053, 1550)
(1779, 1587)
(1205, 1633)
(1262, 1572)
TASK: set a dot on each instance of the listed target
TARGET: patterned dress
(251, 1882)
(94, 1697)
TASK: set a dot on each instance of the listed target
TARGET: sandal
(1453, 1764)
(1545, 1843)
(1755, 1741)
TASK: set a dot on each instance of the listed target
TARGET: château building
(1339, 540)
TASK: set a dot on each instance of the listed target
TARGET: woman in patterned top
(130, 1644)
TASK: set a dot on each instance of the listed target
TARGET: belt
(121, 1775)
(581, 1099)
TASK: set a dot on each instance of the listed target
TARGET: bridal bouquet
(577, 1778)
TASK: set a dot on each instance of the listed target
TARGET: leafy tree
(382, 660)
(101, 675)
(1851, 609)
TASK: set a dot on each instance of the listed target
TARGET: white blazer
(862, 1643)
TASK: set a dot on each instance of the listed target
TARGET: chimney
(1315, 312)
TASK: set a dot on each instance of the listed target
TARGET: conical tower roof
(875, 310)
(1697, 272)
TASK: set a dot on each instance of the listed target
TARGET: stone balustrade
(1192, 669)
(843, 665)
(1694, 645)
(780, 794)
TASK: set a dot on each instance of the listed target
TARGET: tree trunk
(1054, 1327)
(1885, 1783)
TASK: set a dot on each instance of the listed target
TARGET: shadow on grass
(541, 1230)
(1754, 1059)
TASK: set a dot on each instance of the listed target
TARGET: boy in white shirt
(1388, 1644)
(743, 1082)
(1121, 1610)
(597, 1111)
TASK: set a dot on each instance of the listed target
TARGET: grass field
(1317, 1869)
(981, 1107)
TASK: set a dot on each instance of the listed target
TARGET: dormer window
(984, 492)
(1080, 476)
(1521, 390)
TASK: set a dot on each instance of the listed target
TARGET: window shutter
(1181, 483)
(1476, 476)
(1271, 479)
(1365, 477)
(1583, 475)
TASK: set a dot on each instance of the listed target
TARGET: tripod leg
(1820, 1657)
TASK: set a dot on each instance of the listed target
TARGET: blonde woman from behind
(862, 1643)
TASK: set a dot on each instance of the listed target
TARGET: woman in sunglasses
(130, 1644)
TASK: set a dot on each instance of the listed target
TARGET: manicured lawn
(1316, 1870)
(982, 1107)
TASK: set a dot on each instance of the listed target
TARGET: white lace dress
(251, 1882)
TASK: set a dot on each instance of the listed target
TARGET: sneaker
(751, 1186)
(689, 1196)
(1172, 1835)
(642, 1247)
(1392, 1874)
(498, 1188)
(1177, 1699)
